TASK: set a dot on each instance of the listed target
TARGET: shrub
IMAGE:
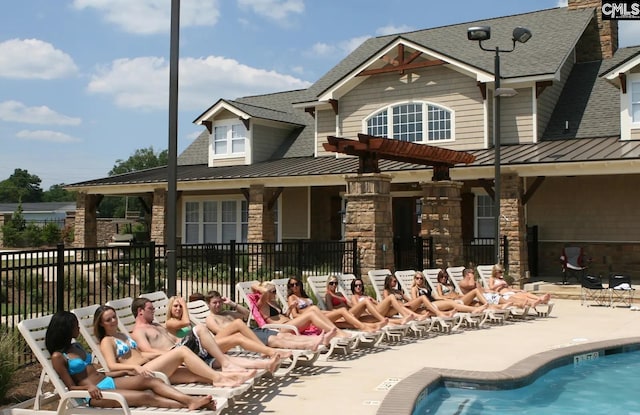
(8, 361)
(33, 235)
(51, 234)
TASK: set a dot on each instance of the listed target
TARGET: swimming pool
(593, 384)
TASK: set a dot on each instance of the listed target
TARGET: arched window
(406, 122)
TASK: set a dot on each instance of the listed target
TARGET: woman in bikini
(419, 289)
(306, 323)
(121, 353)
(179, 324)
(360, 309)
(300, 303)
(417, 304)
(73, 364)
(446, 290)
(519, 297)
(389, 307)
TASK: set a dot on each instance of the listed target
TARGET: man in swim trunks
(227, 317)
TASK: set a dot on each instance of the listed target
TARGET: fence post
(232, 273)
(505, 254)
(60, 277)
(431, 263)
(299, 258)
(152, 266)
(419, 253)
(354, 258)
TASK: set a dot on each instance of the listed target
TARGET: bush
(51, 234)
(8, 362)
(33, 235)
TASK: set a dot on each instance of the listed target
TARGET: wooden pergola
(370, 149)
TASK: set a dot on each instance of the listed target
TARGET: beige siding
(326, 120)
(438, 85)
(266, 140)
(295, 213)
(548, 99)
(635, 134)
(230, 161)
(516, 120)
(565, 209)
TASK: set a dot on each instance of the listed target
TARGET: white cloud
(46, 135)
(14, 111)
(153, 16)
(278, 10)
(562, 3)
(629, 33)
(142, 83)
(340, 50)
(34, 59)
(391, 30)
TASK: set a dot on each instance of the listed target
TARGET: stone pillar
(86, 227)
(159, 213)
(442, 220)
(513, 226)
(368, 220)
(261, 221)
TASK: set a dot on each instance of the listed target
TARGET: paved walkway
(358, 383)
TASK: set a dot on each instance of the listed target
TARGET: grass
(8, 360)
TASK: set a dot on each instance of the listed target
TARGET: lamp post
(481, 33)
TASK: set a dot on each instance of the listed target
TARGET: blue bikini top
(77, 365)
(123, 347)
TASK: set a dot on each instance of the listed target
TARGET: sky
(84, 83)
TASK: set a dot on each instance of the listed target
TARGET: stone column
(159, 213)
(261, 221)
(86, 227)
(368, 220)
(512, 224)
(442, 220)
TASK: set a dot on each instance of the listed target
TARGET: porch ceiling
(370, 149)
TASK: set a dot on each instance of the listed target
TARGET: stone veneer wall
(158, 216)
(368, 219)
(512, 224)
(86, 229)
(442, 219)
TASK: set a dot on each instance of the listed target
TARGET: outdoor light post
(480, 33)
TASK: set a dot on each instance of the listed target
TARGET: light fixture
(479, 33)
(521, 34)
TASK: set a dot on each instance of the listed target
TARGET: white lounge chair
(73, 402)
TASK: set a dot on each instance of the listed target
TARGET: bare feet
(480, 309)
(408, 319)
(327, 336)
(233, 379)
(546, 298)
(202, 402)
(229, 366)
(274, 363)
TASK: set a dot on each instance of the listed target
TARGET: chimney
(600, 39)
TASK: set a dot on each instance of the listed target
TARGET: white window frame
(634, 86)
(240, 218)
(477, 218)
(425, 120)
(230, 140)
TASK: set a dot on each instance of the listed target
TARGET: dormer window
(412, 122)
(229, 139)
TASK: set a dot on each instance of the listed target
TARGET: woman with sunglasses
(445, 290)
(389, 307)
(417, 304)
(519, 297)
(341, 317)
(419, 289)
(121, 353)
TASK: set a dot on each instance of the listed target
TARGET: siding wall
(547, 101)
(326, 121)
(516, 121)
(438, 85)
(266, 140)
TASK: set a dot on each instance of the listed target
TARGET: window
(635, 102)
(216, 221)
(229, 139)
(406, 122)
(485, 224)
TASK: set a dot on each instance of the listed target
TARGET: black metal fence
(43, 281)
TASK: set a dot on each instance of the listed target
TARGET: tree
(21, 187)
(143, 158)
(57, 193)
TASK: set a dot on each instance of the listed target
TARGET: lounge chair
(73, 402)
(620, 290)
(85, 319)
(592, 290)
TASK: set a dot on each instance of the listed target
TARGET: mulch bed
(25, 385)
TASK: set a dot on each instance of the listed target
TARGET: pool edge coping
(403, 397)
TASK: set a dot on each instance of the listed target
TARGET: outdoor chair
(620, 290)
(592, 290)
(574, 263)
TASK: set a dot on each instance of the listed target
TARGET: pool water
(606, 385)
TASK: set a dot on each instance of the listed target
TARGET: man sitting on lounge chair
(153, 337)
(224, 321)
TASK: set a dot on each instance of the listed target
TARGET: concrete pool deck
(359, 383)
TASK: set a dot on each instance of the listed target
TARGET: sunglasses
(419, 278)
(333, 282)
(294, 284)
(272, 291)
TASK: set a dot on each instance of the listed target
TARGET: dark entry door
(405, 229)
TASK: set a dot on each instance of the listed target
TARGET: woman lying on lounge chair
(389, 307)
(365, 308)
(419, 288)
(73, 365)
(121, 353)
(300, 304)
(313, 322)
(418, 304)
(498, 284)
(446, 290)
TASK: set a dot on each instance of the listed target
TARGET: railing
(481, 251)
(40, 282)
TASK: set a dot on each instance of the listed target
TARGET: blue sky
(84, 83)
